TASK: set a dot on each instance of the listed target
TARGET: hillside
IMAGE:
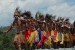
(6, 41)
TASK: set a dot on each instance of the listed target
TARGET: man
(19, 38)
(73, 33)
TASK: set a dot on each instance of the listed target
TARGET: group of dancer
(42, 31)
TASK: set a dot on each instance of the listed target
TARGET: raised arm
(12, 25)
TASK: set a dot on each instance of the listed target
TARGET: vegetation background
(6, 40)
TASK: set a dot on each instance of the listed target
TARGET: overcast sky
(63, 8)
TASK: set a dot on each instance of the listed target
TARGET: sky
(60, 8)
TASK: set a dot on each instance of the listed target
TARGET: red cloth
(48, 34)
(55, 32)
(43, 38)
(27, 35)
